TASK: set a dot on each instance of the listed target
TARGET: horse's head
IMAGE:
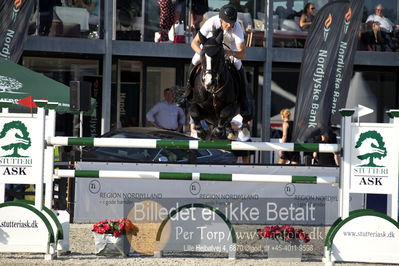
(212, 59)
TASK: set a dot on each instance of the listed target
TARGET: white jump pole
(41, 123)
(49, 155)
(392, 199)
(345, 167)
(198, 176)
(192, 144)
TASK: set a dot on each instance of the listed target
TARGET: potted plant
(284, 241)
(111, 237)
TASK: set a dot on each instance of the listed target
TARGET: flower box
(110, 245)
(111, 238)
(283, 242)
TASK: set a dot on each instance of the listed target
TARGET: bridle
(214, 73)
(214, 90)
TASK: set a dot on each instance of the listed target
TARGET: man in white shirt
(233, 36)
(382, 28)
(165, 114)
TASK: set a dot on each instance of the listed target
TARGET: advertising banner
(343, 69)
(18, 145)
(365, 236)
(92, 122)
(14, 17)
(374, 159)
(314, 95)
(241, 202)
(23, 229)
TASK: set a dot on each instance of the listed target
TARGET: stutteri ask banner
(14, 23)
(314, 96)
(343, 68)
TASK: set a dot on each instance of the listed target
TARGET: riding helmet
(228, 13)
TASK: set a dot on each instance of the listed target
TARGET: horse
(215, 83)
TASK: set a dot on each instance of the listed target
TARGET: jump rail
(192, 144)
(198, 176)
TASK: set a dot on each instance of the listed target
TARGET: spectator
(198, 9)
(179, 10)
(46, 16)
(323, 158)
(238, 6)
(236, 124)
(93, 6)
(307, 16)
(165, 114)
(382, 29)
(166, 19)
(288, 12)
(292, 157)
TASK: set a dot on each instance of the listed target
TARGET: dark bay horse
(215, 89)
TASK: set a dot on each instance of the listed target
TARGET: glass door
(129, 91)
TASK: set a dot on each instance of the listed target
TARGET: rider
(234, 38)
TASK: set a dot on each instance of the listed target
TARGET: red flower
(115, 227)
(284, 232)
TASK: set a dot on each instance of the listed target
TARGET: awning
(21, 85)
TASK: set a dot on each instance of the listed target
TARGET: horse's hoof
(232, 136)
(219, 133)
(245, 131)
(201, 134)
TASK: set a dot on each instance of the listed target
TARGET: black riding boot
(247, 101)
(188, 90)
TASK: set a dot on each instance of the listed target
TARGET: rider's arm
(239, 41)
(239, 53)
(195, 44)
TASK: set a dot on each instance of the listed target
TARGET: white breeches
(197, 59)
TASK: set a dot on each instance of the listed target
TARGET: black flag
(14, 17)
(346, 55)
(314, 96)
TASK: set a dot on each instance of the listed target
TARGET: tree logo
(14, 136)
(10, 85)
(370, 146)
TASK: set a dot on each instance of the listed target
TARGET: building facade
(111, 44)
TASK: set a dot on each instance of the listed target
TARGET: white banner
(19, 144)
(369, 238)
(374, 158)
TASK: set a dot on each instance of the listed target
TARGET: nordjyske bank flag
(14, 23)
(314, 95)
(343, 68)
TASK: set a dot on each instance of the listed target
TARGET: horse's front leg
(194, 112)
(223, 128)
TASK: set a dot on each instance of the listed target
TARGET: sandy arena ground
(82, 253)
